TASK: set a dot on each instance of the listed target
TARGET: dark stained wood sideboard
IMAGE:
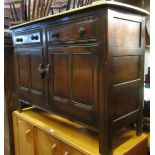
(86, 65)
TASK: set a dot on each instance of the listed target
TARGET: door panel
(24, 71)
(36, 81)
(82, 78)
(60, 75)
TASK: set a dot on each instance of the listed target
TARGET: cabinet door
(74, 82)
(30, 84)
(25, 137)
(46, 144)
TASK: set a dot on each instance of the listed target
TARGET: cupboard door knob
(53, 146)
(66, 153)
(19, 121)
(41, 70)
(28, 135)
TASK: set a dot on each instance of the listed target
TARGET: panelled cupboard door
(46, 144)
(25, 137)
(73, 81)
(30, 81)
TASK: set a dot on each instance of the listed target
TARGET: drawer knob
(55, 35)
(19, 39)
(53, 146)
(19, 121)
(82, 30)
(34, 37)
(28, 135)
(66, 153)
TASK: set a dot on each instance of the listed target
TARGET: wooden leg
(19, 106)
(139, 127)
(105, 146)
(106, 151)
(22, 105)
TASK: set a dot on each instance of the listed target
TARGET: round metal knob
(55, 35)
(53, 146)
(82, 30)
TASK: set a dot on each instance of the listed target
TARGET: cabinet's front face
(61, 60)
(74, 81)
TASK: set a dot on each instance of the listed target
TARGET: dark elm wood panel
(36, 82)
(126, 68)
(82, 78)
(125, 102)
(92, 66)
(132, 31)
(23, 71)
(60, 75)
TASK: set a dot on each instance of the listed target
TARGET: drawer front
(81, 30)
(46, 144)
(28, 38)
(25, 137)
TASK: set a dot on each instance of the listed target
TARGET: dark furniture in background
(62, 5)
(87, 66)
(10, 93)
(27, 10)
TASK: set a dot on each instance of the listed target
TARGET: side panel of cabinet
(30, 84)
(46, 144)
(74, 81)
(24, 137)
(127, 64)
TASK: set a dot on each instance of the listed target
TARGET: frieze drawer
(28, 38)
(83, 30)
